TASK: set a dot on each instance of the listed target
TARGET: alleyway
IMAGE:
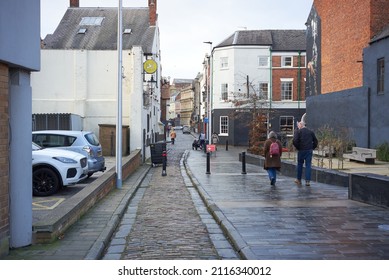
(167, 224)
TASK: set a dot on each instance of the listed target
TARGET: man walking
(305, 142)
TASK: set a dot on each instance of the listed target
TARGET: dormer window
(91, 20)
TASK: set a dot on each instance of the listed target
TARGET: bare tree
(254, 103)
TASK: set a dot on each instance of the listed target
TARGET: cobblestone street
(167, 224)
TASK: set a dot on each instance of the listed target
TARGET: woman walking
(273, 152)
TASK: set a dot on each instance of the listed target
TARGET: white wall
(242, 61)
(84, 83)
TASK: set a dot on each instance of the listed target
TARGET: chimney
(152, 12)
(74, 3)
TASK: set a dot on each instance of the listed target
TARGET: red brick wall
(346, 28)
(379, 15)
(153, 12)
(4, 166)
(279, 73)
(74, 3)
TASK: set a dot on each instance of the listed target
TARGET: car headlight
(65, 160)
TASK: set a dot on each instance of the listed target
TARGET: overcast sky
(185, 24)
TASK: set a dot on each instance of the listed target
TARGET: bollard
(208, 163)
(244, 163)
(227, 145)
(163, 163)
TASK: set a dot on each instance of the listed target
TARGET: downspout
(270, 90)
(299, 81)
(368, 116)
(271, 82)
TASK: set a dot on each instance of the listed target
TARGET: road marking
(48, 204)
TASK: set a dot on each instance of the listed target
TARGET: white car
(53, 169)
(83, 142)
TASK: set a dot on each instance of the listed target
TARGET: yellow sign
(150, 66)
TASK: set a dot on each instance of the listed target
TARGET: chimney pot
(152, 12)
(74, 3)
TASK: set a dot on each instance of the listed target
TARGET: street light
(209, 93)
(119, 103)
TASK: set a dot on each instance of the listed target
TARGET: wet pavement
(189, 214)
(289, 222)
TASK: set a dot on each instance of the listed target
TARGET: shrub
(383, 151)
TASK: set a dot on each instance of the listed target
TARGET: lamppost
(119, 103)
(209, 93)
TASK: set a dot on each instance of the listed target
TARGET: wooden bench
(362, 155)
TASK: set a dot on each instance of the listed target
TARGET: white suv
(54, 168)
(84, 142)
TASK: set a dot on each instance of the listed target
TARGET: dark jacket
(304, 139)
(274, 161)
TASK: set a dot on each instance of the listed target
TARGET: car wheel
(45, 182)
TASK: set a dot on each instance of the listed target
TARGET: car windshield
(36, 147)
(92, 139)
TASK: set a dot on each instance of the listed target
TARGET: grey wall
(379, 102)
(346, 109)
(20, 33)
(239, 126)
(362, 111)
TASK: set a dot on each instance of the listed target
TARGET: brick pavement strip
(167, 225)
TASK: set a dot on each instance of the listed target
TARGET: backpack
(274, 149)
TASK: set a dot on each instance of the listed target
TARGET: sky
(186, 24)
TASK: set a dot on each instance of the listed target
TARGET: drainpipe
(368, 116)
(271, 82)
(299, 81)
(270, 90)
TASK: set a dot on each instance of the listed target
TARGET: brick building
(339, 30)
(347, 49)
(269, 64)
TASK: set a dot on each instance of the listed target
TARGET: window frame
(381, 75)
(283, 61)
(289, 126)
(224, 91)
(283, 92)
(260, 92)
(223, 125)
(224, 62)
(262, 58)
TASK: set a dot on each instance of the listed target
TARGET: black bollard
(208, 163)
(244, 163)
(163, 163)
(227, 145)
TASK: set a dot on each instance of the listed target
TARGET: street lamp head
(209, 42)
